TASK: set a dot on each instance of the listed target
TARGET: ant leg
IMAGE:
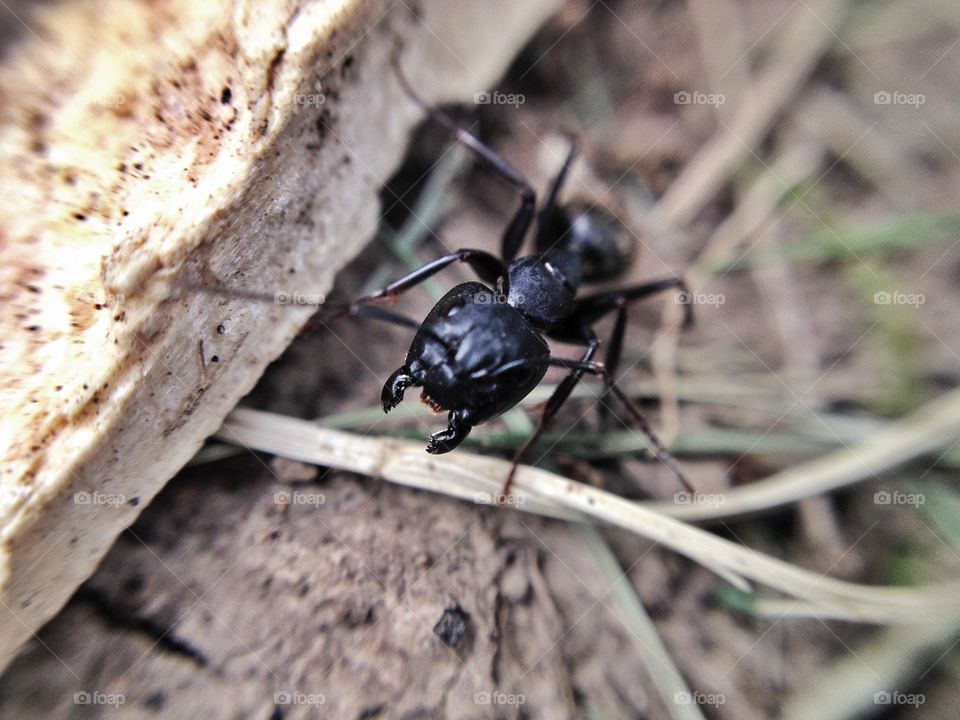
(559, 397)
(615, 349)
(546, 219)
(316, 323)
(487, 267)
(586, 334)
(611, 359)
(389, 316)
(578, 367)
(591, 308)
(517, 229)
(446, 440)
(660, 451)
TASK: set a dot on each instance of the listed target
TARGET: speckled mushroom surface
(145, 146)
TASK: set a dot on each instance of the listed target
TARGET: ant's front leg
(488, 268)
(446, 440)
(557, 399)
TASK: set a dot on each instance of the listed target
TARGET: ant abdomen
(605, 246)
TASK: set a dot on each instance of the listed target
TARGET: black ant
(481, 349)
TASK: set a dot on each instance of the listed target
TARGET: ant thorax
(543, 288)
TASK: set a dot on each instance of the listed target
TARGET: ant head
(605, 245)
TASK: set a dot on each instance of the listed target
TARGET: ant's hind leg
(659, 450)
(612, 361)
(548, 229)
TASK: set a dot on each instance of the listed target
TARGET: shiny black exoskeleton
(482, 348)
(464, 357)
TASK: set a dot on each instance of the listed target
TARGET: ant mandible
(481, 349)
